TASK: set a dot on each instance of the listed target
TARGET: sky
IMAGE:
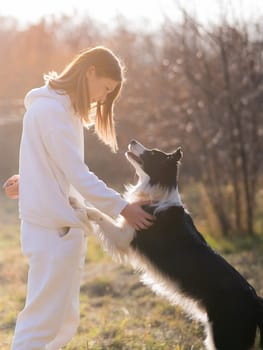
(28, 12)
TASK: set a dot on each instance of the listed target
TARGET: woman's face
(99, 87)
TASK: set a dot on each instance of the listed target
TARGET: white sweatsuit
(51, 168)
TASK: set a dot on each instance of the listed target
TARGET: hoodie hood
(47, 92)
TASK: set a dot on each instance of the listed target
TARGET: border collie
(174, 258)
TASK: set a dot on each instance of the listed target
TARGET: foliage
(186, 84)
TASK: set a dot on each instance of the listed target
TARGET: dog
(173, 257)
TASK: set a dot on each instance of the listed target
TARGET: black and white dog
(175, 259)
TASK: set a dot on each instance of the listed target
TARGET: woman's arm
(60, 143)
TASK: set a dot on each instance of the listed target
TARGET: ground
(117, 311)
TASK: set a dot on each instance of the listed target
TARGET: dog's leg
(118, 235)
(209, 342)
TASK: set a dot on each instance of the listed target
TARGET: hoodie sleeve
(61, 144)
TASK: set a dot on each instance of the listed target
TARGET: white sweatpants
(51, 314)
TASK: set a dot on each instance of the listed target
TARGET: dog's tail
(260, 320)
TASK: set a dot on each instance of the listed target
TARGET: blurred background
(194, 78)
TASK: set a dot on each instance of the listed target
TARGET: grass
(117, 311)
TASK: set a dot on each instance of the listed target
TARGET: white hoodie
(51, 164)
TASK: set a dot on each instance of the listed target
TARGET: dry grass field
(117, 311)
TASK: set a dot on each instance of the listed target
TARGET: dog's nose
(133, 142)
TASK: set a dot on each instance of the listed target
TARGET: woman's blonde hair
(73, 81)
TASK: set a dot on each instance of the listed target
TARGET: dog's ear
(178, 154)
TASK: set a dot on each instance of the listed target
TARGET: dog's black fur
(177, 258)
(176, 248)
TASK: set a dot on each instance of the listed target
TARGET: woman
(52, 168)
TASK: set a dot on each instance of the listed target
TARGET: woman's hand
(11, 187)
(138, 218)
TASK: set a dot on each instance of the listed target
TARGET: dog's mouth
(134, 157)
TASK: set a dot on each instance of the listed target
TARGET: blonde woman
(51, 168)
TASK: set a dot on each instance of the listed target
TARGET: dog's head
(153, 165)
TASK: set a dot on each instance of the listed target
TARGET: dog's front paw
(75, 203)
(80, 210)
(85, 213)
(93, 214)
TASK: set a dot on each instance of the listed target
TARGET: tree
(219, 106)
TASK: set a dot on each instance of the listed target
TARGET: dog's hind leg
(209, 342)
(260, 320)
(233, 334)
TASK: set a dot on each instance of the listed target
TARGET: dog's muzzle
(136, 148)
